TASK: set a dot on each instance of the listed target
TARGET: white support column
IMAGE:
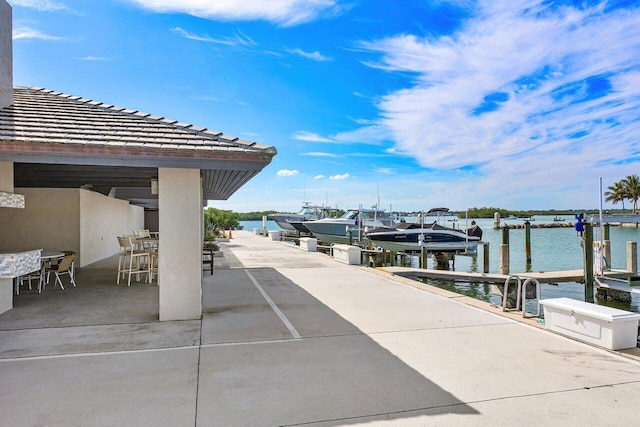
(180, 246)
(6, 55)
(6, 285)
(6, 177)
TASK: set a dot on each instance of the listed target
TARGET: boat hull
(443, 240)
(284, 220)
(299, 226)
(333, 232)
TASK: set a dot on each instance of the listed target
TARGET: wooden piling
(606, 249)
(505, 235)
(504, 259)
(485, 255)
(632, 256)
(527, 243)
(588, 262)
(504, 251)
(496, 220)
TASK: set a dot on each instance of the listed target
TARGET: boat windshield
(308, 211)
(372, 214)
(350, 214)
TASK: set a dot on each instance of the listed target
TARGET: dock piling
(485, 255)
(504, 251)
(496, 220)
(527, 244)
(588, 262)
(606, 244)
(632, 256)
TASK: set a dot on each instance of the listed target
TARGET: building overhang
(60, 141)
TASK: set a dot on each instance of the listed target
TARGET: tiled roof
(59, 122)
(57, 140)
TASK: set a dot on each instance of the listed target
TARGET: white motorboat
(348, 226)
(307, 213)
(432, 236)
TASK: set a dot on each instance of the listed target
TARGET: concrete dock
(289, 337)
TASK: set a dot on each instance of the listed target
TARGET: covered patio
(76, 173)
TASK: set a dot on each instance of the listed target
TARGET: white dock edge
(347, 254)
(596, 324)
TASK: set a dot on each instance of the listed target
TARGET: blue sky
(519, 104)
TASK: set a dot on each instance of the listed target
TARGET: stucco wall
(72, 219)
(102, 219)
(6, 56)
(50, 220)
(6, 176)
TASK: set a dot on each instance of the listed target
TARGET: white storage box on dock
(347, 254)
(596, 324)
(309, 244)
(256, 231)
(274, 235)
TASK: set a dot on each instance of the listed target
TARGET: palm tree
(632, 190)
(616, 193)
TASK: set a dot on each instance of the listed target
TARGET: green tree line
(254, 216)
(486, 212)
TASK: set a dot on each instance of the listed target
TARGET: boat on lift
(433, 236)
(348, 226)
(308, 212)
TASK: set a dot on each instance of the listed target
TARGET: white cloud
(339, 177)
(39, 5)
(383, 171)
(316, 56)
(282, 12)
(287, 172)
(91, 58)
(303, 135)
(206, 98)
(508, 96)
(318, 176)
(237, 40)
(26, 33)
(319, 154)
(372, 134)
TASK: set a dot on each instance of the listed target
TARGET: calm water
(551, 249)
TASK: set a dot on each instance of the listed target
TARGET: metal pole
(601, 263)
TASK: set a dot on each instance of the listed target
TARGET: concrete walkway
(294, 338)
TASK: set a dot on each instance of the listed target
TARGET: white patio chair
(72, 270)
(64, 266)
(34, 275)
(130, 252)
